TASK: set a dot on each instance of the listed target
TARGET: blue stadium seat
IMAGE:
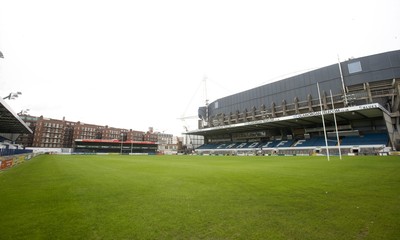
(315, 142)
(367, 139)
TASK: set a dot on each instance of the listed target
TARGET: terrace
(370, 144)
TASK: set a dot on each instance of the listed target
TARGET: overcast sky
(135, 64)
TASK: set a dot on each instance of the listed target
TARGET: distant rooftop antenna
(205, 89)
(206, 98)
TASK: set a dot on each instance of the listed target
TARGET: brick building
(55, 133)
(52, 133)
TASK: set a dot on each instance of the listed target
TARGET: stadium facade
(362, 92)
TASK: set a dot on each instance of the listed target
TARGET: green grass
(201, 197)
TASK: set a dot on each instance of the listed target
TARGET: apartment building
(56, 133)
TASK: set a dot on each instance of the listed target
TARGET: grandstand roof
(10, 122)
(300, 120)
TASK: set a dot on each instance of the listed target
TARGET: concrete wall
(355, 71)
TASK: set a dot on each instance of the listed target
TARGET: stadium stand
(370, 144)
(11, 126)
(315, 141)
(7, 148)
(285, 117)
(367, 139)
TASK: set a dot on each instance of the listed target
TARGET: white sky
(135, 64)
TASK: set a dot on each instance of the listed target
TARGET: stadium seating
(367, 139)
(315, 142)
(246, 145)
(9, 152)
(8, 149)
(277, 143)
(290, 146)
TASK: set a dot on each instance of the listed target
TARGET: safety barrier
(14, 160)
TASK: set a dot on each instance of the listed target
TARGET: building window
(354, 67)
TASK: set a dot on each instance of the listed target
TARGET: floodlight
(12, 95)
